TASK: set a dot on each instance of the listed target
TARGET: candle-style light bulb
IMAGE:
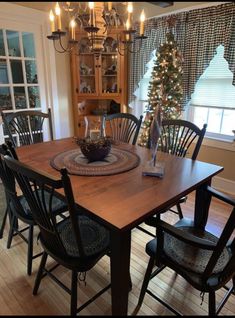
(130, 7)
(110, 6)
(142, 19)
(72, 25)
(128, 28)
(91, 6)
(130, 11)
(57, 12)
(52, 20)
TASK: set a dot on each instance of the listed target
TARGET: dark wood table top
(124, 200)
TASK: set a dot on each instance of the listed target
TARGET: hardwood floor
(16, 286)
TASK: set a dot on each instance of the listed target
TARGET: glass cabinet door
(109, 73)
(87, 74)
(110, 67)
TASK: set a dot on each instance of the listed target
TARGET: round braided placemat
(118, 160)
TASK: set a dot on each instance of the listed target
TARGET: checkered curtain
(198, 33)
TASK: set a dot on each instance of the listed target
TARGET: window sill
(221, 144)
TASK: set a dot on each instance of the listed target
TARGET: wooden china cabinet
(99, 82)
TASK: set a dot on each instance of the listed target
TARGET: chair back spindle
(124, 127)
(28, 125)
(178, 136)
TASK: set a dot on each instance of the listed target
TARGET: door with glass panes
(22, 79)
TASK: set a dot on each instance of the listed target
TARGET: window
(213, 101)
(141, 93)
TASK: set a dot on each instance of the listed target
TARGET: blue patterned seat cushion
(95, 238)
(189, 257)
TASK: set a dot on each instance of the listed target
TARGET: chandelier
(96, 20)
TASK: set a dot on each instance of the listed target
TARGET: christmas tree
(165, 90)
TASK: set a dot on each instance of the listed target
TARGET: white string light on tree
(165, 87)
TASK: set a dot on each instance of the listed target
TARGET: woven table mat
(118, 160)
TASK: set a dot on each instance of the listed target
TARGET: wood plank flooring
(16, 286)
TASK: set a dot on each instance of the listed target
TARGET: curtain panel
(198, 33)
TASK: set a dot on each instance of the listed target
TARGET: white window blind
(213, 100)
(214, 88)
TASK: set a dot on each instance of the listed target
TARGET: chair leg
(11, 231)
(73, 305)
(146, 281)
(40, 272)
(30, 250)
(3, 223)
(130, 282)
(179, 211)
(212, 308)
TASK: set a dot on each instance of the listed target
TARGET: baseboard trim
(224, 185)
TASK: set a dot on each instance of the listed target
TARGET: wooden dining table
(124, 200)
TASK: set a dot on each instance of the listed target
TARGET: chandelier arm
(137, 51)
(105, 20)
(106, 29)
(126, 48)
(67, 49)
(63, 51)
(119, 51)
(80, 20)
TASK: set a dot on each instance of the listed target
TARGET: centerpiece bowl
(95, 150)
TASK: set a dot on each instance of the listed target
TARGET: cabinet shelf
(109, 53)
(115, 75)
(87, 75)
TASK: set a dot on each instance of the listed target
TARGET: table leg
(120, 267)
(202, 203)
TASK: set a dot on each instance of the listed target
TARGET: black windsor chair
(205, 261)
(77, 242)
(28, 125)
(18, 209)
(178, 137)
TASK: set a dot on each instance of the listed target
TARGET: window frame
(212, 139)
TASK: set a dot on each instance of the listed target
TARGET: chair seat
(95, 238)
(188, 257)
